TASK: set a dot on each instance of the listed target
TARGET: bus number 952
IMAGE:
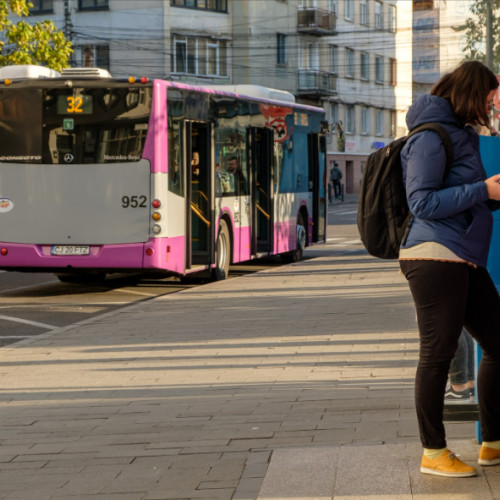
(134, 201)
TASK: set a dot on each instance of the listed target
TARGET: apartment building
(354, 58)
(370, 57)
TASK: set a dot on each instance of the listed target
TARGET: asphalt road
(32, 304)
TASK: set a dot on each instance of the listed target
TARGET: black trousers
(448, 296)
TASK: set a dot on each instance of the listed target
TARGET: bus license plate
(69, 250)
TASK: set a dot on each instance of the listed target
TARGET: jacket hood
(430, 108)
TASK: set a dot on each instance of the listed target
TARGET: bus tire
(222, 252)
(301, 242)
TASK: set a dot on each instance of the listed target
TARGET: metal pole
(68, 26)
(489, 35)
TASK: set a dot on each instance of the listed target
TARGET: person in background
(461, 375)
(444, 258)
(336, 176)
(195, 164)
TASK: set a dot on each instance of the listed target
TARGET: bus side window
(175, 178)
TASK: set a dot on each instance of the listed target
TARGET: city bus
(106, 175)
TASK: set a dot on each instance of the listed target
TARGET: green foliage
(475, 31)
(38, 43)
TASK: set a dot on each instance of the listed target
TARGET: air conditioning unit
(25, 71)
(85, 73)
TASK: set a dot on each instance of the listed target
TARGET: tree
(484, 24)
(25, 43)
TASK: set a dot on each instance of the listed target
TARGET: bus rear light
(4, 251)
(156, 216)
(168, 248)
(156, 203)
(131, 79)
(150, 251)
(156, 228)
(7, 81)
(144, 79)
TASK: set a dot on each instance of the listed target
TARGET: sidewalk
(292, 383)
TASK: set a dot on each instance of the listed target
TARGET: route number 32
(74, 105)
(134, 201)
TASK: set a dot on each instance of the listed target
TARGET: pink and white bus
(101, 175)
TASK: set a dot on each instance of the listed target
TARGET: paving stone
(295, 371)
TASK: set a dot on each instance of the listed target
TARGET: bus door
(199, 194)
(261, 161)
(317, 172)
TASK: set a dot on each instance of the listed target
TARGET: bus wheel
(223, 252)
(296, 255)
(96, 277)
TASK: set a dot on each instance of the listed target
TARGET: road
(32, 304)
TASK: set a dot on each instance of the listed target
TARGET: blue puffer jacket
(454, 212)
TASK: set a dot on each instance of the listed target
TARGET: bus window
(20, 136)
(231, 165)
(96, 125)
(279, 156)
(175, 170)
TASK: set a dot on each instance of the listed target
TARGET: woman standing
(444, 258)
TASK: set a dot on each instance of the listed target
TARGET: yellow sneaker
(447, 464)
(488, 456)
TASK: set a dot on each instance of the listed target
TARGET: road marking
(28, 322)
(133, 292)
(339, 242)
(343, 213)
(14, 337)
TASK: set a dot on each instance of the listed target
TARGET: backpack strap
(445, 137)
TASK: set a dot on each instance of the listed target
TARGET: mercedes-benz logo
(68, 157)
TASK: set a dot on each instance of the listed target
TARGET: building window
(393, 123)
(349, 10)
(334, 59)
(364, 14)
(332, 6)
(215, 5)
(350, 120)
(95, 56)
(365, 66)
(379, 15)
(365, 120)
(423, 5)
(393, 69)
(379, 69)
(392, 19)
(199, 56)
(281, 56)
(333, 114)
(309, 55)
(93, 4)
(379, 122)
(42, 6)
(349, 63)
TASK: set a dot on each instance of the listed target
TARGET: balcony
(316, 22)
(315, 84)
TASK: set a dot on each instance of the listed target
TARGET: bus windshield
(74, 125)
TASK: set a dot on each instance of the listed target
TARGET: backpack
(383, 214)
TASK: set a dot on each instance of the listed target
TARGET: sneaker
(448, 465)
(488, 456)
(459, 396)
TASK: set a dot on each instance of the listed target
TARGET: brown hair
(467, 89)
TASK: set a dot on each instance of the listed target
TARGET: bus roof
(250, 92)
